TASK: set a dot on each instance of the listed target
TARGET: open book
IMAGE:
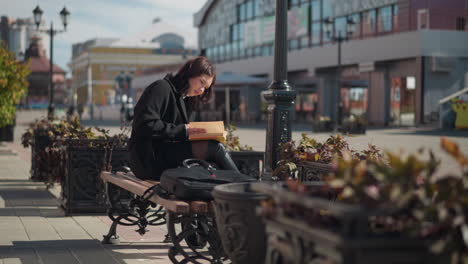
(214, 130)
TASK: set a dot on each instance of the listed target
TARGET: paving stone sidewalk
(34, 229)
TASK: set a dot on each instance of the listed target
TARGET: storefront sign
(366, 67)
(262, 31)
(267, 29)
(297, 21)
(252, 36)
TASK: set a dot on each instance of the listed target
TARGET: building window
(395, 17)
(266, 50)
(461, 23)
(241, 49)
(215, 53)
(222, 54)
(227, 50)
(293, 3)
(257, 10)
(249, 10)
(315, 10)
(327, 7)
(368, 22)
(258, 51)
(241, 31)
(249, 52)
(293, 44)
(423, 19)
(356, 19)
(236, 32)
(316, 25)
(384, 19)
(304, 42)
(241, 12)
(234, 50)
(316, 29)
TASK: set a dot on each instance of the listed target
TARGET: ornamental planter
(241, 230)
(40, 169)
(305, 229)
(249, 162)
(82, 190)
(353, 128)
(7, 133)
(322, 126)
(313, 171)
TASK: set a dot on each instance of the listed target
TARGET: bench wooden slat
(129, 182)
(130, 176)
(134, 185)
(198, 207)
(123, 182)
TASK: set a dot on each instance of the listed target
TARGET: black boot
(217, 153)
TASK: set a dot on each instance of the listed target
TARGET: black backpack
(196, 179)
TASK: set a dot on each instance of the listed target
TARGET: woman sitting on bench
(160, 130)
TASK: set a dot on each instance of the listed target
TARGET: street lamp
(280, 95)
(64, 14)
(339, 38)
(124, 83)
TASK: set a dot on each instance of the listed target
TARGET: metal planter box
(249, 162)
(342, 235)
(323, 126)
(7, 133)
(82, 190)
(353, 128)
(313, 171)
(40, 170)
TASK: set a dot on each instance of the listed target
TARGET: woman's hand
(194, 130)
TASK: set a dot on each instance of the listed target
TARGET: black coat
(159, 117)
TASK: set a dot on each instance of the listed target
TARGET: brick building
(38, 91)
(403, 57)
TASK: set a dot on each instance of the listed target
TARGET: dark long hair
(194, 68)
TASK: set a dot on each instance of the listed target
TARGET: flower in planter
(61, 133)
(232, 142)
(308, 149)
(399, 197)
(356, 119)
(417, 202)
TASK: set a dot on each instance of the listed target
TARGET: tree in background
(13, 85)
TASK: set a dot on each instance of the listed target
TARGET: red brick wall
(442, 13)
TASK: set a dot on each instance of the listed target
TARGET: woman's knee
(216, 146)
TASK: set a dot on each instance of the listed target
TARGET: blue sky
(102, 18)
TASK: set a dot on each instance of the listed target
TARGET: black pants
(173, 154)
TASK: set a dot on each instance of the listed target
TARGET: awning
(234, 79)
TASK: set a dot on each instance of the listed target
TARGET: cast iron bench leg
(111, 237)
(137, 212)
(201, 239)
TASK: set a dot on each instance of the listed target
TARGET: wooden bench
(196, 238)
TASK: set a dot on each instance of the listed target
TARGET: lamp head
(328, 26)
(64, 14)
(37, 12)
(350, 26)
